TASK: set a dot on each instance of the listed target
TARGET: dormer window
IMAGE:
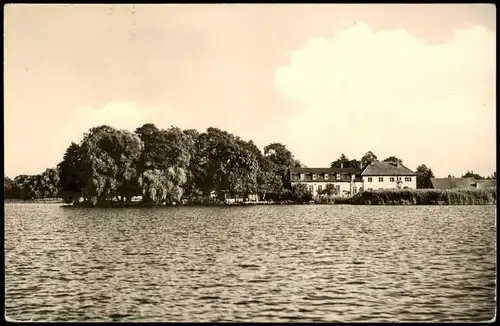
(315, 176)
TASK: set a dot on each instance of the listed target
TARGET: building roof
(452, 183)
(325, 170)
(387, 169)
(486, 184)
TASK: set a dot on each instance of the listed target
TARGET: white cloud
(394, 94)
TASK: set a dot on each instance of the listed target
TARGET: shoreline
(143, 205)
(388, 197)
(260, 204)
(34, 201)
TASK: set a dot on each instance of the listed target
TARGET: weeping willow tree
(176, 179)
(153, 186)
(28, 187)
(160, 186)
(106, 161)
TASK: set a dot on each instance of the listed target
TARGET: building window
(391, 179)
(408, 179)
(338, 176)
(381, 179)
(315, 176)
(369, 179)
(399, 178)
(302, 176)
(354, 190)
(326, 176)
(311, 189)
(337, 187)
(320, 188)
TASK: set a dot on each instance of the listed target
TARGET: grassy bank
(422, 197)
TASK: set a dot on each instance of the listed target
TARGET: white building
(388, 175)
(346, 181)
(343, 180)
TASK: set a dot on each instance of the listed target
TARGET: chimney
(341, 165)
(397, 162)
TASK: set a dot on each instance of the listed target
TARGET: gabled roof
(486, 184)
(387, 169)
(452, 183)
(325, 170)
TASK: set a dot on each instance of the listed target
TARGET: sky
(414, 81)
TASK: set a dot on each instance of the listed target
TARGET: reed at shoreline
(373, 197)
(422, 197)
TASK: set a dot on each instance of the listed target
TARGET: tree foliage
(109, 159)
(368, 158)
(11, 189)
(279, 160)
(226, 163)
(424, 175)
(28, 187)
(343, 161)
(300, 194)
(471, 174)
(393, 159)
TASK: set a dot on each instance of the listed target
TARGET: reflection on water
(264, 263)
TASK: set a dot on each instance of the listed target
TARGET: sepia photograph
(250, 162)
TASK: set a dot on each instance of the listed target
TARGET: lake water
(260, 263)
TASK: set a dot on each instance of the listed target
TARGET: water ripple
(270, 263)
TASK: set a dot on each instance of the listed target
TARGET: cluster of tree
(164, 166)
(28, 187)
(424, 176)
(368, 158)
(471, 174)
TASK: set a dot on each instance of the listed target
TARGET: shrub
(300, 194)
(323, 199)
(204, 201)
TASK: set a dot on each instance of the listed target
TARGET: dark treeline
(162, 166)
(471, 174)
(45, 185)
(171, 165)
